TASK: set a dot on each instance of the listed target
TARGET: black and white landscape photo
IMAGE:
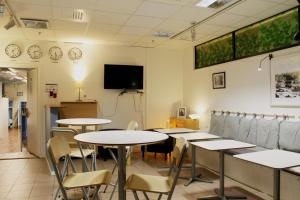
(287, 85)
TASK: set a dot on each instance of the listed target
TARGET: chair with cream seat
(163, 185)
(58, 148)
(76, 151)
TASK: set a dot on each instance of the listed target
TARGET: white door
(33, 136)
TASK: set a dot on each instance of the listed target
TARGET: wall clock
(34, 51)
(13, 50)
(55, 53)
(75, 53)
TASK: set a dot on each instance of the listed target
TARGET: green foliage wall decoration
(268, 35)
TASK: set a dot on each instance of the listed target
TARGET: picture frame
(219, 80)
(285, 82)
(181, 112)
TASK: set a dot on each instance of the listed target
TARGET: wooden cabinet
(80, 109)
(184, 123)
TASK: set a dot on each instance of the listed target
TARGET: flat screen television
(123, 77)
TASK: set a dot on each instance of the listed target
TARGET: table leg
(194, 176)
(276, 189)
(122, 171)
(221, 168)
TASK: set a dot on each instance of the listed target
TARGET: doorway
(14, 100)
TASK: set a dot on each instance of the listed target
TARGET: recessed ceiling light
(212, 3)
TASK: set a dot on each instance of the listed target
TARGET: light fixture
(205, 3)
(270, 56)
(11, 23)
(212, 3)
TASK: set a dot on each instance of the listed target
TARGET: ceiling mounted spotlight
(11, 23)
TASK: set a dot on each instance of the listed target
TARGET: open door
(33, 136)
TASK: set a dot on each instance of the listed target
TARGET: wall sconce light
(270, 56)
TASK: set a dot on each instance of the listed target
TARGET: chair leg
(96, 194)
(159, 197)
(136, 197)
(113, 192)
(146, 196)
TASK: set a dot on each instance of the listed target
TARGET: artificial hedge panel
(216, 51)
(274, 33)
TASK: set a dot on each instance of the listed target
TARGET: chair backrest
(67, 133)
(58, 147)
(132, 125)
(178, 156)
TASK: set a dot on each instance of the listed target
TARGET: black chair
(166, 147)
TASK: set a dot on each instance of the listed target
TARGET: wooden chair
(163, 185)
(58, 148)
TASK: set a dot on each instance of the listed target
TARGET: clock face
(55, 53)
(34, 52)
(13, 51)
(75, 53)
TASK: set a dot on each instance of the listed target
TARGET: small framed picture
(181, 112)
(219, 80)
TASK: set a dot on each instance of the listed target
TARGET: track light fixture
(11, 23)
(270, 56)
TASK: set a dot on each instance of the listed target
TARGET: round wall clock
(13, 50)
(55, 53)
(34, 52)
(75, 53)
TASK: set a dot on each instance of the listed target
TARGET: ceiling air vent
(212, 3)
(35, 23)
(162, 34)
(79, 15)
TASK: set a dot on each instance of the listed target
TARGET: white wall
(163, 81)
(247, 90)
(3, 118)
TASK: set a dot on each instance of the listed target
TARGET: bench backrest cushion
(247, 130)
(217, 123)
(231, 127)
(267, 133)
(289, 136)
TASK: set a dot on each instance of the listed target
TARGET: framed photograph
(181, 112)
(285, 82)
(219, 80)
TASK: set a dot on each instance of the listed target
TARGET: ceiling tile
(251, 8)
(154, 9)
(118, 5)
(178, 2)
(67, 25)
(126, 38)
(103, 28)
(78, 4)
(208, 29)
(132, 30)
(193, 14)
(31, 11)
(291, 2)
(272, 11)
(40, 34)
(36, 2)
(142, 21)
(225, 19)
(109, 18)
(171, 25)
(69, 36)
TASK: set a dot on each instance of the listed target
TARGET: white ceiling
(133, 22)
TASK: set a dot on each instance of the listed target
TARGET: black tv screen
(123, 76)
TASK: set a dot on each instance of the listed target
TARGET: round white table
(121, 138)
(83, 122)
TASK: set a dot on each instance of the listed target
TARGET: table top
(276, 159)
(121, 137)
(174, 130)
(195, 136)
(83, 121)
(217, 145)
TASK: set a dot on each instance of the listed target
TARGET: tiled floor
(29, 179)
(11, 143)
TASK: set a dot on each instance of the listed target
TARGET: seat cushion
(231, 127)
(217, 123)
(267, 133)
(289, 136)
(148, 183)
(87, 179)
